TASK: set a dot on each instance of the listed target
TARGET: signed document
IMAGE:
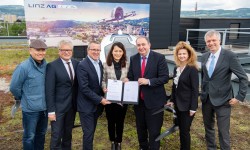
(125, 93)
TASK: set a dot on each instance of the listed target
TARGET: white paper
(130, 94)
(114, 90)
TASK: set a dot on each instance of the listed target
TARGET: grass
(10, 58)
(11, 135)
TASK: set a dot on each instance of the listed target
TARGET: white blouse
(178, 74)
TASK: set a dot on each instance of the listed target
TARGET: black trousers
(148, 126)
(115, 114)
(184, 122)
(61, 130)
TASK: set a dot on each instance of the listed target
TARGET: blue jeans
(35, 127)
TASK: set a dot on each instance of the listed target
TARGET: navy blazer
(157, 72)
(89, 91)
(185, 96)
(219, 87)
(60, 93)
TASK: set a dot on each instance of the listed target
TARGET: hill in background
(17, 10)
(220, 13)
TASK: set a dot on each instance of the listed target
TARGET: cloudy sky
(214, 4)
(186, 4)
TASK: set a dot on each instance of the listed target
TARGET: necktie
(211, 66)
(143, 66)
(70, 73)
(98, 70)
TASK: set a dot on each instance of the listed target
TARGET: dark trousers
(184, 122)
(222, 113)
(115, 114)
(35, 127)
(88, 122)
(61, 130)
(148, 126)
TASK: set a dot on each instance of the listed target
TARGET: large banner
(82, 22)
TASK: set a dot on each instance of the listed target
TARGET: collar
(93, 61)
(65, 62)
(146, 55)
(217, 54)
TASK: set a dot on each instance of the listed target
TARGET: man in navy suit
(90, 99)
(61, 88)
(217, 94)
(151, 71)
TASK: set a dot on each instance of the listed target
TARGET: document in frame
(114, 93)
(131, 92)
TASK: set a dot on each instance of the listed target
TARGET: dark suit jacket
(219, 87)
(89, 91)
(157, 72)
(185, 96)
(60, 93)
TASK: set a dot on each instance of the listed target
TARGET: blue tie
(211, 66)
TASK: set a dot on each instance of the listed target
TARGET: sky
(186, 4)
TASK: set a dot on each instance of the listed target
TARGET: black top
(118, 72)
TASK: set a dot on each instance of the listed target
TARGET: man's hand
(233, 101)
(143, 81)
(52, 117)
(105, 101)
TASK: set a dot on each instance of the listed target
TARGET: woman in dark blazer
(116, 68)
(185, 90)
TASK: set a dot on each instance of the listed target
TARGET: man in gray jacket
(217, 93)
(28, 85)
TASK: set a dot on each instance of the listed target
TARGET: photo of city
(82, 22)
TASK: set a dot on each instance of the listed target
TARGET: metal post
(224, 38)
(187, 35)
(8, 29)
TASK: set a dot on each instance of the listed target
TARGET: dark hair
(110, 57)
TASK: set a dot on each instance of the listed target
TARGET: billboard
(82, 22)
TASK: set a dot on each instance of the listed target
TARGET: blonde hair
(192, 57)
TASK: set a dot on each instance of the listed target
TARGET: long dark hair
(110, 57)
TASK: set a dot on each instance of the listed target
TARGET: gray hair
(92, 42)
(211, 33)
(143, 37)
(65, 42)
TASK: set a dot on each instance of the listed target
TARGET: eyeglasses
(65, 50)
(95, 50)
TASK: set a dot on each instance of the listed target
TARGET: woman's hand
(105, 90)
(170, 104)
(125, 80)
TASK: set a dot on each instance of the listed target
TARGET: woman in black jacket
(185, 90)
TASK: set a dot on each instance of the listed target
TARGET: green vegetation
(11, 56)
(12, 29)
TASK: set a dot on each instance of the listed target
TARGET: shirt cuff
(51, 113)
(192, 111)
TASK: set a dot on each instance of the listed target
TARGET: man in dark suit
(90, 99)
(217, 94)
(61, 88)
(151, 71)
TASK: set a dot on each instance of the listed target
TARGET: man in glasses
(90, 98)
(61, 89)
(28, 85)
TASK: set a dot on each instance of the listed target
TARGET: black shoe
(113, 145)
(118, 146)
